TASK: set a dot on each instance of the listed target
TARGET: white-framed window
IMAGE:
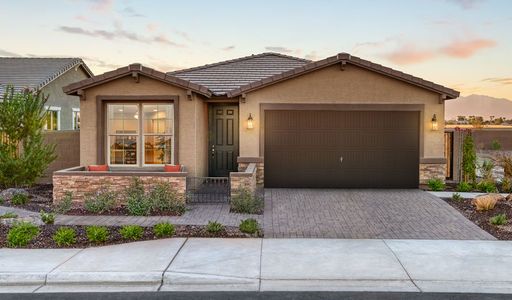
(52, 118)
(76, 118)
(140, 134)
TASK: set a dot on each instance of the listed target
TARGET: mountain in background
(478, 105)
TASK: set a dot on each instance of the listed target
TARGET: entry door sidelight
(223, 139)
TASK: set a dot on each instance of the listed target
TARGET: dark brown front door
(341, 149)
(223, 139)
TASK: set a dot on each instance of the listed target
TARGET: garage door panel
(379, 149)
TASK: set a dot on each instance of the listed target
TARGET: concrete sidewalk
(197, 264)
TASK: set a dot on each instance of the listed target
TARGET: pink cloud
(464, 49)
(102, 5)
(152, 27)
(409, 55)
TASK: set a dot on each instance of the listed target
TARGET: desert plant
(499, 219)
(506, 185)
(137, 203)
(47, 218)
(2, 200)
(131, 232)
(464, 186)
(8, 215)
(97, 234)
(456, 197)
(164, 230)
(19, 199)
(101, 201)
(495, 145)
(486, 170)
(436, 184)
(487, 186)
(469, 159)
(506, 162)
(486, 202)
(249, 226)
(243, 201)
(64, 205)
(214, 227)
(24, 155)
(21, 234)
(65, 236)
(164, 198)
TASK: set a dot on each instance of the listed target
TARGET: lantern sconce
(250, 120)
(434, 123)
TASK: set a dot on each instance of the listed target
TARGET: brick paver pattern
(364, 214)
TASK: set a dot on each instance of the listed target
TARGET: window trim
(73, 122)
(101, 134)
(56, 109)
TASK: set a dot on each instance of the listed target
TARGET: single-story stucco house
(341, 122)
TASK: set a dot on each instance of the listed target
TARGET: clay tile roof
(225, 76)
(73, 88)
(34, 72)
(347, 58)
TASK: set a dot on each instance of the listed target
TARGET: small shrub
(65, 236)
(495, 145)
(137, 203)
(101, 201)
(97, 234)
(487, 186)
(21, 234)
(499, 219)
(249, 226)
(164, 198)
(506, 185)
(245, 202)
(464, 186)
(469, 158)
(436, 184)
(486, 170)
(65, 204)
(456, 197)
(8, 215)
(486, 202)
(2, 200)
(214, 227)
(19, 199)
(506, 162)
(131, 232)
(47, 218)
(164, 230)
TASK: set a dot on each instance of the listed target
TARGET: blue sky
(464, 44)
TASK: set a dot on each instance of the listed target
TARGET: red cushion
(172, 168)
(98, 168)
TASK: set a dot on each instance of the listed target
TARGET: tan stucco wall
(191, 115)
(354, 85)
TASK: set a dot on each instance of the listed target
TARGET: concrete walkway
(196, 264)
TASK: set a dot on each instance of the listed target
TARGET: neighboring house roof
(344, 58)
(223, 77)
(134, 70)
(34, 73)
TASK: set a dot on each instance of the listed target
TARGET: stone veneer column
(432, 168)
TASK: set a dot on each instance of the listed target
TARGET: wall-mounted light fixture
(434, 123)
(250, 120)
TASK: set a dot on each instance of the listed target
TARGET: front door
(223, 139)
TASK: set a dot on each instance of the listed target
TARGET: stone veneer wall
(432, 170)
(246, 178)
(243, 162)
(81, 183)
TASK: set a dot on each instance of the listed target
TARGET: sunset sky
(463, 44)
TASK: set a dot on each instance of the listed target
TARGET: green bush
(8, 215)
(495, 145)
(464, 186)
(101, 201)
(2, 200)
(64, 205)
(164, 230)
(164, 198)
(214, 227)
(456, 197)
(243, 201)
(249, 226)
(137, 203)
(19, 199)
(506, 185)
(500, 219)
(486, 170)
(21, 234)
(131, 232)
(97, 234)
(436, 184)
(487, 186)
(65, 236)
(47, 218)
(22, 119)
(469, 159)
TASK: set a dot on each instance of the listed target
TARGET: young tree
(469, 158)
(23, 154)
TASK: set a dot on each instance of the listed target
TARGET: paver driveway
(364, 214)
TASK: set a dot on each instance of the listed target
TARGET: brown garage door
(341, 149)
